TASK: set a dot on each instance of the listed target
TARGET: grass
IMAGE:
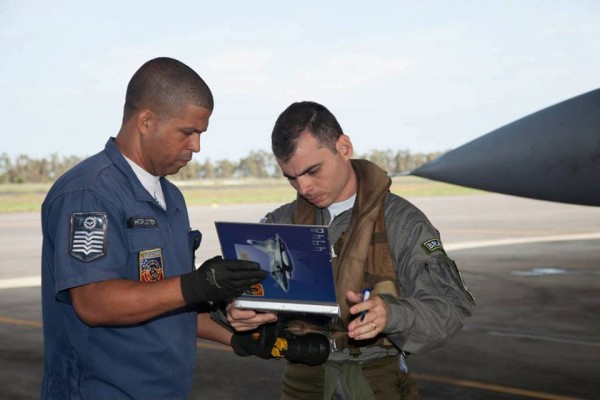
(412, 186)
(29, 197)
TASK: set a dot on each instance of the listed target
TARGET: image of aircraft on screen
(280, 262)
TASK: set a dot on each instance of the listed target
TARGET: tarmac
(533, 267)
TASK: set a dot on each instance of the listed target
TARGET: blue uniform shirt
(100, 223)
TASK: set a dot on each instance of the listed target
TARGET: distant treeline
(257, 164)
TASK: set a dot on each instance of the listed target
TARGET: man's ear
(344, 147)
(144, 120)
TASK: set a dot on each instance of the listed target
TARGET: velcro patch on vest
(142, 222)
(151, 265)
(378, 237)
(88, 235)
(432, 245)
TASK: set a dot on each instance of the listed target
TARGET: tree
(224, 169)
(190, 172)
(254, 165)
(383, 158)
(257, 164)
(5, 167)
(207, 170)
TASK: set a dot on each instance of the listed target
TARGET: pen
(365, 296)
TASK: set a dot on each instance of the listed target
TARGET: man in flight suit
(382, 243)
(120, 294)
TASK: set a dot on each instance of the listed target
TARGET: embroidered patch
(432, 245)
(151, 265)
(88, 235)
(255, 290)
(142, 222)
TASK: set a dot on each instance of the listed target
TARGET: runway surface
(533, 267)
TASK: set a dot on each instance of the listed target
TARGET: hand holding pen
(372, 314)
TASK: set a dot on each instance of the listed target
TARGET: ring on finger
(374, 325)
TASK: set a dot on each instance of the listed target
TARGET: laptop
(297, 259)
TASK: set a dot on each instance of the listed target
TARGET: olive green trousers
(386, 381)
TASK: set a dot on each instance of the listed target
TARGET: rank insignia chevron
(88, 235)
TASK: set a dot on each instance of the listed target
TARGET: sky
(412, 75)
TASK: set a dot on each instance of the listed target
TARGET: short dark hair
(298, 118)
(166, 86)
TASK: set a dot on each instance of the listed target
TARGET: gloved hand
(258, 342)
(219, 280)
(267, 342)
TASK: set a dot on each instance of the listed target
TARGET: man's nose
(304, 185)
(195, 142)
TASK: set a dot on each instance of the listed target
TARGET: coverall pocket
(143, 239)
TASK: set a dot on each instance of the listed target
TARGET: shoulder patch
(88, 235)
(432, 245)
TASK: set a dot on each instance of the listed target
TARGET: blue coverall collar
(141, 194)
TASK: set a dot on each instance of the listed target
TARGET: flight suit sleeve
(433, 299)
(281, 215)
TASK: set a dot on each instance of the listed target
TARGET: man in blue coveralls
(120, 294)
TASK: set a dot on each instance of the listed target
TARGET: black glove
(258, 342)
(219, 280)
(267, 342)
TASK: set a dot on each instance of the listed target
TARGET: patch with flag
(151, 265)
(88, 235)
(432, 245)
